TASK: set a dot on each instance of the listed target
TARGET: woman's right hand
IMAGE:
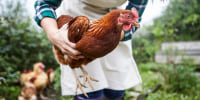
(59, 37)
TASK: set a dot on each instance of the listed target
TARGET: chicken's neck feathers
(104, 25)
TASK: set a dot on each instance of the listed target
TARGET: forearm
(45, 8)
(50, 27)
(58, 37)
(45, 16)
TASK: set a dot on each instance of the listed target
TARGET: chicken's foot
(78, 84)
(87, 78)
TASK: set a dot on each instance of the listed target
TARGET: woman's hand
(59, 37)
(122, 35)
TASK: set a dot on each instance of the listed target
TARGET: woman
(116, 71)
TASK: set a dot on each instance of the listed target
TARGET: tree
(179, 22)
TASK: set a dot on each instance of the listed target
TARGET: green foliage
(21, 45)
(179, 78)
(144, 49)
(10, 92)
(162, 95)
(179, 22)
(179, 81)
(150, 75)
(57, 79)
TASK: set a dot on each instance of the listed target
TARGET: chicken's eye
(128, 16)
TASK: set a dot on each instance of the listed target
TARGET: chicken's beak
(136, 24)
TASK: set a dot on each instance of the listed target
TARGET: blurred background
(166, 49)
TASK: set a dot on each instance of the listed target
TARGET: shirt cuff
(46, 13)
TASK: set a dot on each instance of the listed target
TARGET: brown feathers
(92, 40)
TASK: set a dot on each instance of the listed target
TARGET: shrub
(9, 92)
(179, 78)
(21, 44)
(179, 81)
(144, 48)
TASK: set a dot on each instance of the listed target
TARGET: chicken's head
(129, 19)
(39, 67)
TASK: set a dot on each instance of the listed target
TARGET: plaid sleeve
(140, 5)
(45, 8)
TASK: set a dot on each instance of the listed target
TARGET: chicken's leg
(43, 97)
(87, 78)
(78, 84)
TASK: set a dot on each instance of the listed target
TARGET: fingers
(72, 53)
(64, 33)
(64, 27)
(70, 49)
(67, 47)
(72, 45)
(76, 57)
(122, 35)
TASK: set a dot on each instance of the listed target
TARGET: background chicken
(41, 78)
(95, 39)
(28, 92)
(26, 76)
(51, 75)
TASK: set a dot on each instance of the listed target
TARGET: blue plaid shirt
(46, 8)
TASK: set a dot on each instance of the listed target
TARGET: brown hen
(94, 39)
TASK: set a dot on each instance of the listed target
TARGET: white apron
(117, 70)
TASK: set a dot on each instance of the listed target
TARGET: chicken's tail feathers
(63, 19)
(59, 56)
(77, 28)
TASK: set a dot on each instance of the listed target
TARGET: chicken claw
(87, 78)
(79, 85)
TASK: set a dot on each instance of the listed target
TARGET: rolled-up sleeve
(45, 8)
(140, 5)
